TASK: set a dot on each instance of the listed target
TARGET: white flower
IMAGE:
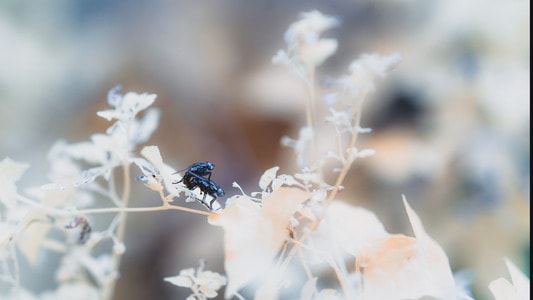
(308, 28)
(305, 49)
(127, 132)
(341, 119)
(365, 70)
(125, 107)
(109, 150)
(204, 284)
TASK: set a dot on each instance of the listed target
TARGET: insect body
(208, 187)
(198, 175)
(200, 169)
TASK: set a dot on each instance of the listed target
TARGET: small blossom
(355, 153)
(365, 70)
(125, 107)
(204, 284)
(109, 150)
(308, 28)
(342, 120)
(305, 49)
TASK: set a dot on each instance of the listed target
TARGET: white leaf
(146, 126)
(12, 170)
(179, 280)
(253, 235)
(267, 177)
(403, 267)
(351, 227)
(33, 235)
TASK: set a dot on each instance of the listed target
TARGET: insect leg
(203, 199)
(211, 203)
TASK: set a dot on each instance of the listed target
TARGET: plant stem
(61, 212)
(357, 109)
(142, 209)
(110, 284)
(346, 167)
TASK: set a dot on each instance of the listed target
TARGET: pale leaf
(179, 280)
(10, 172)
(502, 289)
(267, 177)
(254, 234)
(404, 267)
(352, 227)
(33, 235)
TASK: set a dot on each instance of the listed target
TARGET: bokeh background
(451, 125)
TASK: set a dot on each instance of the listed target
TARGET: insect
(198, 175)
(208, 187)
(201, 169)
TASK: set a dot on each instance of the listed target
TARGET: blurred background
(451, 125)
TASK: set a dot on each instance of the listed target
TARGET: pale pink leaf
(402, 267)
(255, 234)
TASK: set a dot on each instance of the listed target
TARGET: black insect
(201, 169)
(208, 187)
(198, 175)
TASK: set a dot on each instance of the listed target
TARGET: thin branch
(346, 167)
